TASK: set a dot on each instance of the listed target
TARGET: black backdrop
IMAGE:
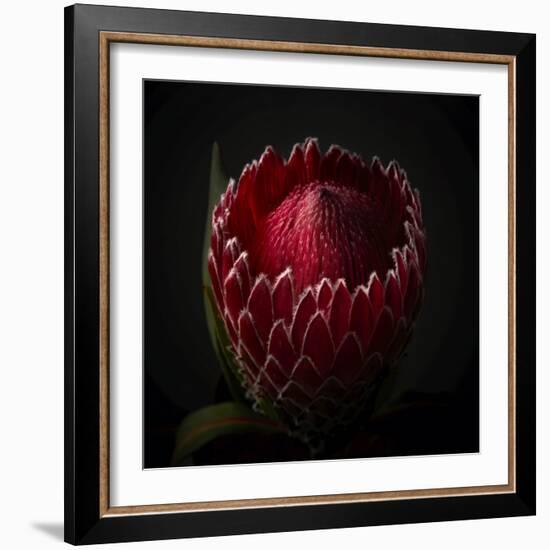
(434, 138)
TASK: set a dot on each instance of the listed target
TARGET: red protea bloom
(317, 265)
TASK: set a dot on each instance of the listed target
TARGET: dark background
(433, 137)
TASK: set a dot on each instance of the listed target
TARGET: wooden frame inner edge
(105, 39)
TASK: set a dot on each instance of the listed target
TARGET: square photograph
(311, 274)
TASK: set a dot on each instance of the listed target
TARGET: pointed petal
(361, 318)
(241, 221)
(345, 173)
(396, 203)
(215, 280)
(306, 376)
(410, 198)
(275, 373)
(312, 159)
(393, 170)
(340, 312)
(291, 409)
(401, 270)
(393, 297)
(265, 386)
(250, 367)
(246, 180)
(327, 170)
(420, 246)
(383, 333)
(283, 297)
(364, 177)
(231, 328)
(375, 292)
(229, 195)
(270, 183)
(241, 267)
(348, 362)
(305, 310)
(261, 308)
(295, 169)
(249, 339)
(280, 347)
(218, 209)
(409, 232)
(324, 295)
(333, 389)
(216, 242)
(318, 344)
(379, 182)
(234, 302)
(410, 256)
(230, 254)
(296, 394)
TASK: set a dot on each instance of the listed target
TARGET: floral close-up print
(317, 264)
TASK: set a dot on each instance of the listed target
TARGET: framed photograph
(300, 274)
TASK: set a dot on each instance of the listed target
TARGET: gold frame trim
(105, 39)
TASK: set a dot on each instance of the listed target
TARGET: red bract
(317, 265)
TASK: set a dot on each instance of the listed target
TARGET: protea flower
(317, 265)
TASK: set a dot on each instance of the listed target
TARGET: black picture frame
(86, 521)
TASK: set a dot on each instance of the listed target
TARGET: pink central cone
(323, 231)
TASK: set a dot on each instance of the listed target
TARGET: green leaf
(217, 186)
(209, 423)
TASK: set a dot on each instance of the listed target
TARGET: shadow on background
(53, 530)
